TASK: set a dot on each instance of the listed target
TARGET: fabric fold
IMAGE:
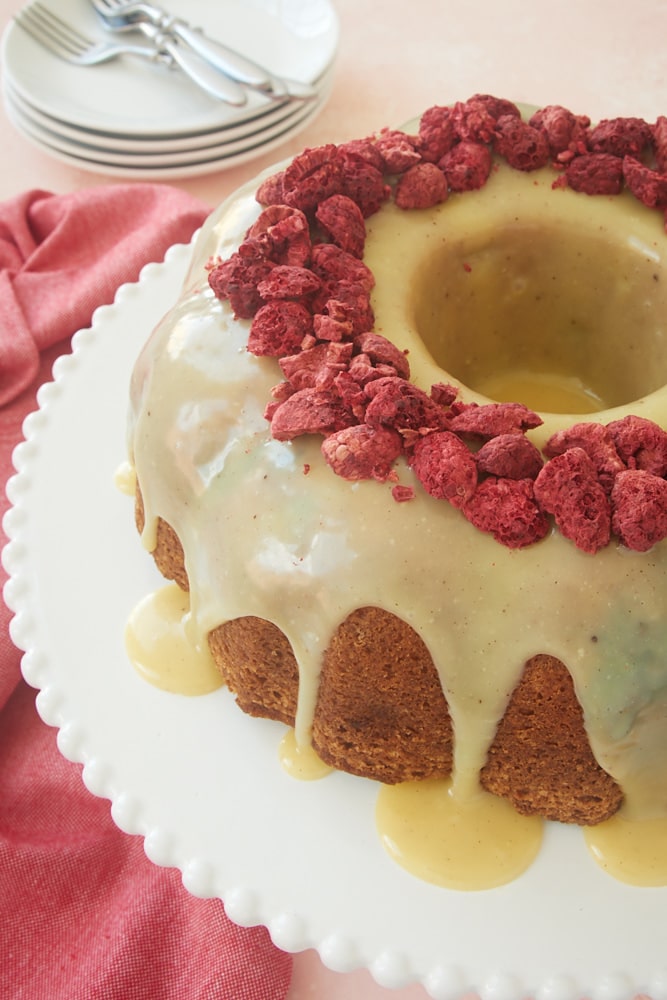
(62, 256)
(84, 915)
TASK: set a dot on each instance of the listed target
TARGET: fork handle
(231, 63)
(216, 84)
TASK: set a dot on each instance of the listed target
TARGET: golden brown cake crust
(257, 664)
(381, 712)
(168, 551)
(541, 759)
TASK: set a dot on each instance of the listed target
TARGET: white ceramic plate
(129, 146)
(159, 164)
(130, 97)
(201, 782)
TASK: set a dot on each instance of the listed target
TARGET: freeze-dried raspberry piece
(467, 166)
(282, 234)
(641, 443)
(565, 131)
(443, 393)
(346, 302)
(279, 393)
(660, 143)
(475, 119)
(331, 263)
(473, 122)
(287, 282)
(398, 150)
(365, 185)
(381, 351)
(311, 177)
(402, 494)
(343, 220)
(510, 456)
(270, 191)
(310, 411)
(362, 452)
(445, 467)
(363, 371)
(524, 147)
(326, 327)
(598, 443)
(361, 149)
(491, 419)
(568, 488)
(639, 501)
(620, 137)
(282, 391)
(279, 328)
(351, 391)
(340, 353)
(497, 107)
(236, 279)
(404, 406)
(316, 367)
(647, 185)
(363, 175)
(422, 186)
(307, 163)
(507, 510)
(437, 133)
(595, 173)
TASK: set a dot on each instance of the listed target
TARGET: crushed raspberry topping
(300, 278)
(445, 467)
(568, 487)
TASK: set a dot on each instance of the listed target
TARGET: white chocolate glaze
(476, 843)
(269, 530)
(300, 760)
(633, 851)
(159, 644)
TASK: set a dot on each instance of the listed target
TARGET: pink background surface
(396, 59)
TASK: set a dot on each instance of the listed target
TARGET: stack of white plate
(137, 118)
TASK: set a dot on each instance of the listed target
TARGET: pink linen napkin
(83, 914)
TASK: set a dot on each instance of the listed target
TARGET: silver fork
(71, 45)
(154, 21)
(66, 42)
(123, 15)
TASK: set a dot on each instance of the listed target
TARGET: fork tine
(51, 31)
(66, 31)
(34, 27)
(47, 29)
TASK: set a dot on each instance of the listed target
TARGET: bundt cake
(403, 439)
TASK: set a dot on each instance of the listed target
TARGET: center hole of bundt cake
(563, 322)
